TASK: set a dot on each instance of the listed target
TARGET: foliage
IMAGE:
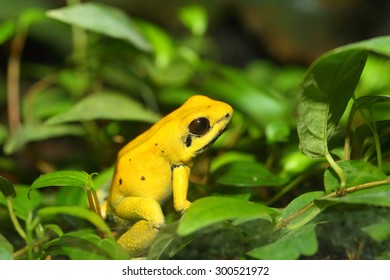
(263, 199)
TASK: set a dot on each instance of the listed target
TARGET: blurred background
(240, 31)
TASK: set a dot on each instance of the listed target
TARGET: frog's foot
(150, 218)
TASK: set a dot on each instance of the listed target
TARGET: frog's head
(199, 121)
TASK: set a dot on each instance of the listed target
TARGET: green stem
(331, 195)
(14, 219)
(338, 170)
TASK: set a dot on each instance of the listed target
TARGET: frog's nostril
(227, 116)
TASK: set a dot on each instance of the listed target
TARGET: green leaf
(23, 202)
(30, 133)
(246, 174)
(84, 245)
(6, 249)
(161, 42)
(194, 17)
(78, 212)
(357, 172)
(300, 211)
(327, 87)
(105, 105)
(379, 45)
(290, 246)
(378, 231)
(380, 108)
(211, 210)
(7, 30)
(61, 179)
(6, 188)
(102, 19)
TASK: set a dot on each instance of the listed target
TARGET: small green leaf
(61, 179)
(105, 105)
(31, 16)
(161, 42)
(211, 210)
(30, 133)
(379, 231)
(6, 188)
(24, 202)
(7, 30)
(357, 172)
(194, 17)
(246, 174)
(84, 245)
(6, 249)
(300, 211)
(102, 19)
(290, 246)
(78, 212)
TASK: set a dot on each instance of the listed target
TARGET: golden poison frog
(157, 164)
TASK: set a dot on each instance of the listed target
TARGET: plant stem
(331, 195)
(13, 77)
(338, 170)
(14, 219)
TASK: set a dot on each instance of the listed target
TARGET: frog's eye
(199, 126)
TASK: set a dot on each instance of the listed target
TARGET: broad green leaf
(291, 246)
(61, 179)
(6, 188)
(327, 87)
(246, 174)
(211, 210)
(379, 231)
(31, 133)
(6, 249)
(45, 104)
(78, 212)
(379, 45)
(84, 245)
(105, 105)
(73, 196)
(300, 211)
(102, 19)
(23, 202)
(357, 172)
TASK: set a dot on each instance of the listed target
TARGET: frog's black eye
(199, 126)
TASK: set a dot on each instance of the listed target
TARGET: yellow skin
(157, 164)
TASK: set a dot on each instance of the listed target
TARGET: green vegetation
(262, 197)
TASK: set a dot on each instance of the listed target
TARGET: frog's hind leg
(149, 220)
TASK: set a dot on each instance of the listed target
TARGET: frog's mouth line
(205, 147)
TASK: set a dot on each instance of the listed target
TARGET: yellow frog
(157, 164)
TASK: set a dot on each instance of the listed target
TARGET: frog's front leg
(180, 178)
(150, 219)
